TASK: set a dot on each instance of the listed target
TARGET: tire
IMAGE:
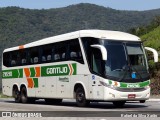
(24, 97)
(17, 95)
(119, 104)
(81, 98)
(53, 101)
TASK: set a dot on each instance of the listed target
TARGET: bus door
(96, 90)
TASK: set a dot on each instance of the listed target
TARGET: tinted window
(15, 60)
(34, 55)
(23, 57)
(75, 51)
(55, 52)
(47, 53)
(6, 59)
(60, 51)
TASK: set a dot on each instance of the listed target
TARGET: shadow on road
(99, 105)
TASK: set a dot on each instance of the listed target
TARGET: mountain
(19, 26)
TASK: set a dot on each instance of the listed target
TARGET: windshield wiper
(127, 68)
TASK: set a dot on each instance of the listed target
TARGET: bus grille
(130, 89)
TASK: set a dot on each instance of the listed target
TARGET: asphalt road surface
(68, 108)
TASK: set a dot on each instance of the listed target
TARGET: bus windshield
(126, 62)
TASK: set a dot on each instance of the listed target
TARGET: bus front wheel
(80, 98)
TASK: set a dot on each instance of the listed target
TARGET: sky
(115, 4)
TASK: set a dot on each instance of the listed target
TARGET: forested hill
(152, 38)
(19, 26)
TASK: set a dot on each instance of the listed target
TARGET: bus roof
(102, 34)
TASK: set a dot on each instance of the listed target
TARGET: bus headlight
(147, 87)
(107, 85)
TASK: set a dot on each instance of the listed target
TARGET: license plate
(131, 96)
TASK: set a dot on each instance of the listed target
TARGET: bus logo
(59, 70)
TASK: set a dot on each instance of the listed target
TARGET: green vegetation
(152, 38)
(150, 34)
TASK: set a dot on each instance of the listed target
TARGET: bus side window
(75, 53)
(23, 57)
(46, 53)
(6, 59)
(60, 51)
(96, 61)
(56, 57)
(34, 55)
(14, 58)
(13, 62)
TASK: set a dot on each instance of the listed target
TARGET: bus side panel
(50, 86)
(40, 91)
(7, 87)
(95, 88)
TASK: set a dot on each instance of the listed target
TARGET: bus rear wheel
(24, 96)
(81, 98)
(16, 95)
(119, 104)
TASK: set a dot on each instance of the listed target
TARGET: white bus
(86, 65)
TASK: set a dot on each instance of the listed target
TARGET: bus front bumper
(117, 95)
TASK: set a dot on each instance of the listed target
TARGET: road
(68, 109)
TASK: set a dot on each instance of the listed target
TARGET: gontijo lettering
(57, 70)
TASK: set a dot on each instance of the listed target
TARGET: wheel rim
(23, 95)
(80, 97)
(16, 94)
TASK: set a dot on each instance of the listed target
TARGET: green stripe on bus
(15, 73)
(123, 85)
(110, 82)
(32, 72)
(134, 85)
(146, 83)
(20, 73)
(74, 68)
(57, 70)
(35, 82)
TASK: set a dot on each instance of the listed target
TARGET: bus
(85, 65)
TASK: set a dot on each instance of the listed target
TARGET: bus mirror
(102, 49)
(155, 53)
